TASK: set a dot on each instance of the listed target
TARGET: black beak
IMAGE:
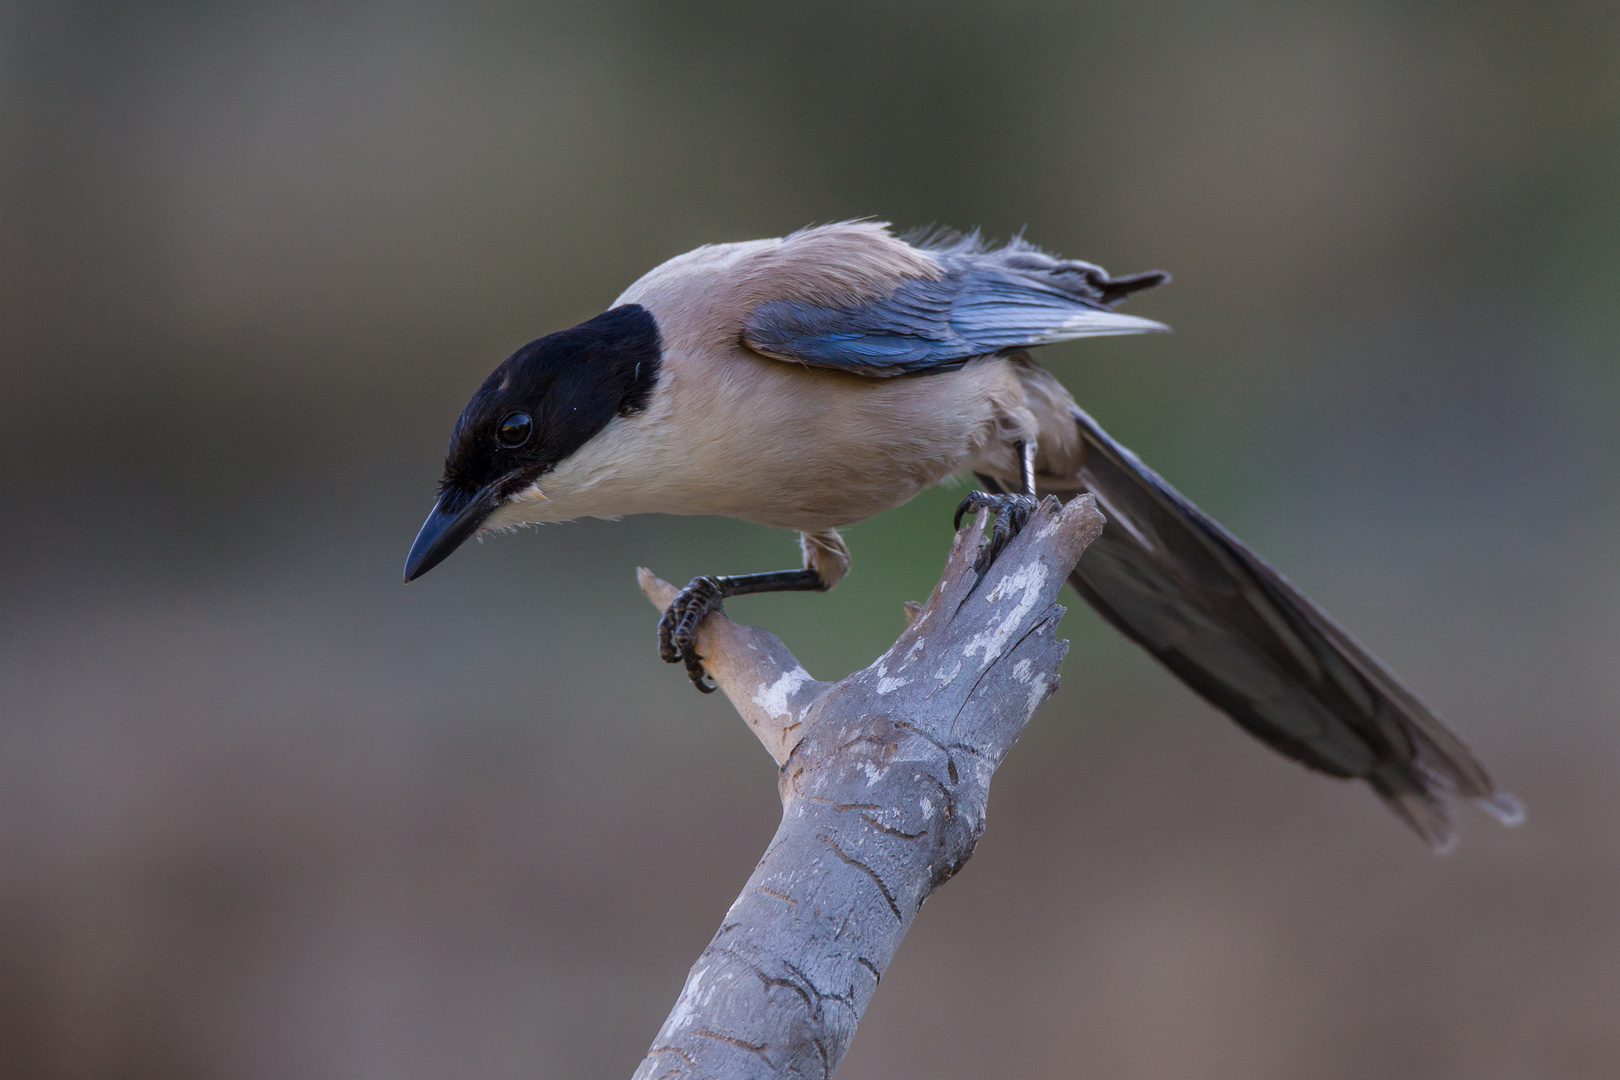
(448, 526)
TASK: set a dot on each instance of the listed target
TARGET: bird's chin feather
(517, 510)
(509, 527)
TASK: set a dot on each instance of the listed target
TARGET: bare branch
(884, 780)
(754, 669)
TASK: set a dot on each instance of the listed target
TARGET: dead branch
(884, 781)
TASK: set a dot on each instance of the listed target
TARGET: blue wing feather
(986, 301)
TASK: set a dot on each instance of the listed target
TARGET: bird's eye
(514, 430)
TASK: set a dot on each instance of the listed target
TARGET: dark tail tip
(1114, 290)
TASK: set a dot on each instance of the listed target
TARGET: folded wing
(984, 301)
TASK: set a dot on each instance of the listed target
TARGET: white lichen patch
(1028, 580)
(873, 773)
(889, 686)
(1024, 670)
(1037, 694)
(774, 698)
(946, 676)
(686, 1005)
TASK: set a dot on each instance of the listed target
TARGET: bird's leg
(1011, 511)
(678, 626)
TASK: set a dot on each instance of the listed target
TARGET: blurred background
(266, 813)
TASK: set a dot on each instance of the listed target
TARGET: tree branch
(884, 781)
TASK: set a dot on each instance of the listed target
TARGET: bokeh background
(266, 813)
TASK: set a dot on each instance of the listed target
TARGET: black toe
(1012, 513)
(677, 628)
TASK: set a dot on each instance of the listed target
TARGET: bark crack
(805, 987)
(731, 1040)
(843, 806)
(882, 828)
(974, 689)
(683, 1055)
(846, 999)
(857, 740)
(868, 871)
(784, 897)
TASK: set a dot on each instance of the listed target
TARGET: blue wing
(986, 301)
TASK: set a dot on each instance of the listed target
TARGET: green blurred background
(266, 813)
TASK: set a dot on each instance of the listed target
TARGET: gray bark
(884, 782)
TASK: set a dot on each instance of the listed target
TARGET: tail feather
(1242, 636)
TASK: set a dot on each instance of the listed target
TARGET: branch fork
(884, 779)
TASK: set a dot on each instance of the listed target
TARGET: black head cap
(543, 403)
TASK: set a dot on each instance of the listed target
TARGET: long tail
(1241, 635)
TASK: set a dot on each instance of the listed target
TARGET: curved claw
(677, 628)
(699, 677)
(973, 503)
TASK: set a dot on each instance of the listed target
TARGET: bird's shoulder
(711, 291)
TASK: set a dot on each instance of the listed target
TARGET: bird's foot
(1012, 512)
(677, 628)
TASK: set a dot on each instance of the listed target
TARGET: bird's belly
(814, 495)
(822, 449)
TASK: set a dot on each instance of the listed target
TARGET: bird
(814, 380)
